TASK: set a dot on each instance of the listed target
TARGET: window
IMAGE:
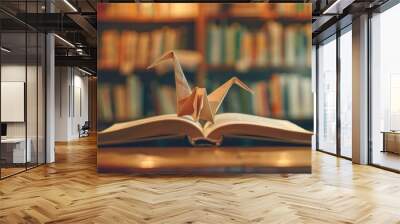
(385, 89)
(327, 96)
(346, 93)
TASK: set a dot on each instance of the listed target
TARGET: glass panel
(31, 97)
(314, 89)
(346, 94)
(385, 86)
(22, 89)
(41, 98)
(13, 86)
(327, 96)
(32, 89)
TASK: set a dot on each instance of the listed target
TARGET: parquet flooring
(71, 191)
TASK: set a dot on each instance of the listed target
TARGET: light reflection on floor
(386, 159)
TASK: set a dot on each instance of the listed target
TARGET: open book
(225, 124)
(194, 105)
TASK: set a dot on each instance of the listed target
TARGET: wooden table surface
(204, 159)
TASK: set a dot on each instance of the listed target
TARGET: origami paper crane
(196, 102)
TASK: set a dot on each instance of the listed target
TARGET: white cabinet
(16, 146)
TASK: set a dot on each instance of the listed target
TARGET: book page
(151, 128)
(251, 125)
(128, 124)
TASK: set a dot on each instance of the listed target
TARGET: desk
(391, 141)
(13, 150)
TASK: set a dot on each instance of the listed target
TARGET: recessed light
(70, 5)
(64, 40)
(84, 71)
(337, 7)
(5, 50)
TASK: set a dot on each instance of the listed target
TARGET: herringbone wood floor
(70, 191)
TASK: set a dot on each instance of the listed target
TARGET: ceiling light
(64, 40)
(70, 5)
(84, 71)
(5, 50)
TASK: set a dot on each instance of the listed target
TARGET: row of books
(285, 96)
(132, 11)
(298, 9)
(129, 49)
(283, 9)
(120, 101)
(273, 45)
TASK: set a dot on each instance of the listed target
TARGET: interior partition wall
(334, 94)
(22, 77)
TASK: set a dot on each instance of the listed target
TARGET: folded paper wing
(197, 103)
(217, 96)
(182, 87)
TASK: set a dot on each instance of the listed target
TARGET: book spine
(135, 97)
(127, 52)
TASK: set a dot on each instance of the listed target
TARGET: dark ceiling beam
(332, 29)
(50, 22)
(321, 23)
(66, 51)
(16, 18)
(84, 24)
(91, 5)
(11, 25)
(79, 61)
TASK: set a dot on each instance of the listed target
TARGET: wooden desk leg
(384, 143)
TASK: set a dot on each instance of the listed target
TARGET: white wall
(16, 73)
(71, 92)
(81, 96)
(61, 103)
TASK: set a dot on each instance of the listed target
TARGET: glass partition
(22, 88)
(41, 96)
(31, 99)
(15, 151)
(327, 96)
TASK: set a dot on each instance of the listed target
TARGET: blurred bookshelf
(265, 45)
